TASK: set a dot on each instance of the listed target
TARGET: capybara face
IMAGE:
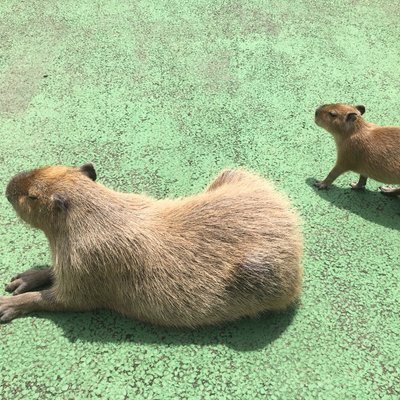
(38, 196)
(338, 118)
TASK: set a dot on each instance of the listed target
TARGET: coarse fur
(232, 251)
(370, 150)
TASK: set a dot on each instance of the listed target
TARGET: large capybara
(232, 251)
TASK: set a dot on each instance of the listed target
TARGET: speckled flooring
(161, 95)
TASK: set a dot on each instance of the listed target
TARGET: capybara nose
(10, 191)
(316, 112)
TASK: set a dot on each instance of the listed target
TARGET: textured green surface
(161, 95)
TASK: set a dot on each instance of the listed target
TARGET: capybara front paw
(8, 309)
(388, 191)
(28, 280)
(321, 185)
(357, 186)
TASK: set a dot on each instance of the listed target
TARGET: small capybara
(370, 150)
(232, 251)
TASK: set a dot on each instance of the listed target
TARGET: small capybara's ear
(89, 171)
(60, 202)
(361, 109)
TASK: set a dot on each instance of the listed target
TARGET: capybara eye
(332, 114)
(32, 197)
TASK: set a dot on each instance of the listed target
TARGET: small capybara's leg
(228, 176)
(362, 181)
(336, 171)
(29, 280)
(388, 191)
(14, 306)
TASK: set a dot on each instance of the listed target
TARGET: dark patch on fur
(256, 278)
(61, 202)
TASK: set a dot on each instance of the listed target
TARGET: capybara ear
(60, 202)
(351, 117)
(361, 109)
(89, 171)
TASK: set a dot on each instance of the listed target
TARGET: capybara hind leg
(29, 280)
(388, 191)
(14, 306)
(362, 181)
(228, 176)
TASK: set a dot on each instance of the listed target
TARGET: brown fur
(231, 251)
(372, 151)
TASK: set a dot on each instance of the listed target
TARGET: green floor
(161, 95)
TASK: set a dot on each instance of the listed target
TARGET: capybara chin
(370, 150)
(231, 251)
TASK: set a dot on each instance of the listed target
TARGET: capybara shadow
(247, 334)
(370, 205)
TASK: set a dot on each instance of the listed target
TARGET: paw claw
(11, 286)
(21, 289)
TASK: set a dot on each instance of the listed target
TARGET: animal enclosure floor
(160, 96)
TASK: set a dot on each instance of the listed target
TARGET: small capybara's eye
(332, 114)
(32, 197)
